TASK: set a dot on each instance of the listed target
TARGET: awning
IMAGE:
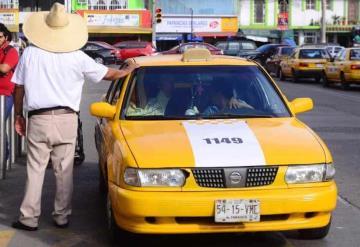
(215, 34)
(257, 38)
(120, 30)
(170, 37)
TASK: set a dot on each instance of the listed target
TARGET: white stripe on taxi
(223, 144)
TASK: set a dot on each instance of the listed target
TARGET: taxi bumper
(193, 212)
(309, 73)
(353, 77)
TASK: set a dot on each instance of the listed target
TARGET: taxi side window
(115, 89)
(341, 56)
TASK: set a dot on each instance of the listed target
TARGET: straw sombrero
(56, 31)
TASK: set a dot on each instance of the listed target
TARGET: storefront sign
(283, 21)
(8, 18)
(122, 20)
(196, 24)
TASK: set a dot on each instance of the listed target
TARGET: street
(335, 117)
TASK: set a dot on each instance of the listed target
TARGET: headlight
(309, 173)
(154, 177)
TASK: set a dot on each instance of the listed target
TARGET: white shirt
(55, 79)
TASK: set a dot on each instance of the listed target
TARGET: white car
(334, 50)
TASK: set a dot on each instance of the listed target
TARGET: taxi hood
(223, 143)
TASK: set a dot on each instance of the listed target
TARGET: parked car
(102, 52)
(264, 52)
(174, 158)
(272, 64)
(183, 47)
(305, 62)
(344, 68)
(333, 48)
(130, 49)
(241, 48)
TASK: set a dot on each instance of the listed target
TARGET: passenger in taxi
(221, 96)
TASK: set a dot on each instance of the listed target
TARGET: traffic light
(158, 15)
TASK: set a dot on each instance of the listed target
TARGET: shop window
(310, 4)
(283, 6)
(310, 37)
(108, 4)
(259, 11)
(329, 4)
(9, 4)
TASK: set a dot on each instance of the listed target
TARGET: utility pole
(153, 24)
(191, 23)
(323, 21)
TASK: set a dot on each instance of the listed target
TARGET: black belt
(51, 111)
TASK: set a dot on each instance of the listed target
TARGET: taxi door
(333, 68)
(103, 131)
(341, 64)
(289, 62)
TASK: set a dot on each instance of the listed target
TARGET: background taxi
(344, 68)
(305, 62)
(197, 143)
(272, 64)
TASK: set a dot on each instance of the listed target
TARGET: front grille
(215, 177)
(260, 176)
(212, 178)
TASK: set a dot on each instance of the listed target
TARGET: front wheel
(325, 81)
(295, 78)
(281, 75)
(315, 233)
(344, 84)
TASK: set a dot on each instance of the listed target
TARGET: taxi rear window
(355, 54)
(186, 92)
(313, 54)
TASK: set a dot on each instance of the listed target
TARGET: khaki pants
(49, 136)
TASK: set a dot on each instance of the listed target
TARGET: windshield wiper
(167, 117)
(229, 115)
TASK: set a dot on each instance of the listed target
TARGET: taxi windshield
(355, 54)
(206, 92)
(313, 54)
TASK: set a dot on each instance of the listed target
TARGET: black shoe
(61, 225)
(21, 226)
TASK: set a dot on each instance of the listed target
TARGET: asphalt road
(336, 118)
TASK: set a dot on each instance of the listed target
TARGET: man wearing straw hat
(50, 75)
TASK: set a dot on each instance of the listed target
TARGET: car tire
(115, 233)
(325, 81)
(277, 73)
(343, 82)
(295, 78)
(315, 233)
(99, 60)
(281, 75)
(103, 188)
(317, 79)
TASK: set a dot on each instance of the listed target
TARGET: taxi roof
(177, 60)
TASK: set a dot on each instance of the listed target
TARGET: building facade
(189, 20)
(272, 20)
(9, 14)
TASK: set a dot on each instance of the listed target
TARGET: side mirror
(102, 110)
(300, 105)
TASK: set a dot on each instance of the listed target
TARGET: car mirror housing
(102, 110)
(300, 105)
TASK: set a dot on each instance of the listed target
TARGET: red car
(102, 52)
(183, 47)
(135, 48)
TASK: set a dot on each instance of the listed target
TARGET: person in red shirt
(8, 60)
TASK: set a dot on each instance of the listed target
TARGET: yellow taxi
(344, 68)
(305, 62)
(201, 143)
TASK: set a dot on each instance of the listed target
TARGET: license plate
(237, 210)
(319, 65)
